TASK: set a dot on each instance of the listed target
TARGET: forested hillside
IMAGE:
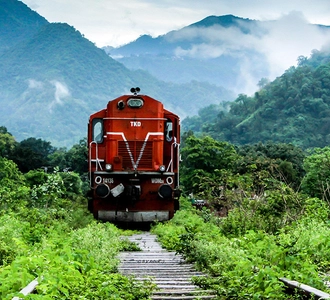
(17, 23)
(52, 79)
(294, 108)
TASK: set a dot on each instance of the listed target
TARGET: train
(133, 160)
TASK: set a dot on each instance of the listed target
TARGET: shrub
(247, 262)
(13, 234)
(77, 265)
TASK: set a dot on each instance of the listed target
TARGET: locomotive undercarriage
(134, 197)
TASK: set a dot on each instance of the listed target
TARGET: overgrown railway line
(167, 270)
(171, 274)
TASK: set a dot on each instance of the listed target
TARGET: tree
(77, 157)
(301, 60)
(9, 171)
(283, 162)
(201, 158)
(32, 153)
(7, 142)
(59, 159)
(316, 183)
(263, 82)
(74, 159)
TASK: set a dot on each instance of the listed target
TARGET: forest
(294, 108)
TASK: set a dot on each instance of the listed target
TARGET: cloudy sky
(114, 23)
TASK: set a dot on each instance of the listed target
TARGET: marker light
(162, 168)
(108, 167)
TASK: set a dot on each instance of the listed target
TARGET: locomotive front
(134, 160)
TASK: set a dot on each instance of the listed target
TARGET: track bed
(167, 270)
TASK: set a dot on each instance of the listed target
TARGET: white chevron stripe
(135, 164)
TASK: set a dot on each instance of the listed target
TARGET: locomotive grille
(139, 151)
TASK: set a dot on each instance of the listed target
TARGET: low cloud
(60, 93)
(279, 44)
(288, 38)
(35, 84)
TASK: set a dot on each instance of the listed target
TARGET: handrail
(28, 289)
(306, 289)
(170, 166)
(97, 160)
(178, 166)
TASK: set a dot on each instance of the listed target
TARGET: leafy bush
(9, 172)
(316, 183)
(36, 177)
(247, 263)
(77, 265)
(269, 212)
(48, 193)
(13, 198)
(72, 183)
(13, 233)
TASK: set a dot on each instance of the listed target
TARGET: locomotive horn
(135, 90)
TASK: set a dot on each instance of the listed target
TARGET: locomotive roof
(145, 98)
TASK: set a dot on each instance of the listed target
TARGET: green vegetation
(262, 167)
(317, 179)
(47, 233)
(248, 265)
(32, 154)
(267, 216)
(257, 225)
(265, 178)
(294, 108)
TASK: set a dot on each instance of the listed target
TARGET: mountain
(52, 79)
(17, 22)
(46, 80)
(294, 108)
(183, 38)
(226, 51)
(200, 51)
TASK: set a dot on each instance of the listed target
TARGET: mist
(279, 43)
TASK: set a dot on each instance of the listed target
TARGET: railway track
(167, 270)
(172, 274)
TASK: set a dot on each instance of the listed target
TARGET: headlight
(162, 168)
(108, 167)
(165, 191)
(135, 102)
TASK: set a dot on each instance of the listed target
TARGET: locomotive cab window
(168, 130)
(97, 130)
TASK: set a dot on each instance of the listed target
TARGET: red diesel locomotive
(134, 146)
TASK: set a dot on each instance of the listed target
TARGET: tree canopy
(293, 109)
